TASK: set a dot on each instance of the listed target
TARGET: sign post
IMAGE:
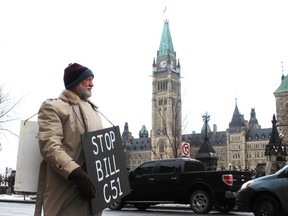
(106, 165)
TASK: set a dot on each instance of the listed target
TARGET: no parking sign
(185, 150)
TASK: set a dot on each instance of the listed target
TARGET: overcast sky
(227, 49)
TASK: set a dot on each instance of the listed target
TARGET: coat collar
(69, 97)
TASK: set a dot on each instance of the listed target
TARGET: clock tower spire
(166, 100)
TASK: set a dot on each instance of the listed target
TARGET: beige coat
(61, 122)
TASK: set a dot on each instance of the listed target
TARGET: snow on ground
(16, 197)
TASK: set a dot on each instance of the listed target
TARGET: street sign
(185, 150)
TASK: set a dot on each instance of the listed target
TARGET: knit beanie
(74, 74)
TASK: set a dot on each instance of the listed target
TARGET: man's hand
(83, 182)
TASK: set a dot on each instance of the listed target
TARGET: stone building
(281, 95)
(137, 150)
(241, 147)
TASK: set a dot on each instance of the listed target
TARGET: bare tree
(7, 112)
(172, 129)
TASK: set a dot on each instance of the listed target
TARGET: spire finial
(206, 118)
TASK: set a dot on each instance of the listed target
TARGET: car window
(193, 166)
(167, 167)
(145, 169)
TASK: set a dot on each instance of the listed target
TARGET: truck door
(142, 182)
(166, 180)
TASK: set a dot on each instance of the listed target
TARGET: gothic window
(166, 85)
(161, 147)
(285, 104)
(158, 132)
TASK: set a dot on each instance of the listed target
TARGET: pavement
(20, 198)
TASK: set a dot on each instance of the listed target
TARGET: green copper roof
(166, 45)
(283, 86)
(143, 129)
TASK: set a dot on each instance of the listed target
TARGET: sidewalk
(17, 198)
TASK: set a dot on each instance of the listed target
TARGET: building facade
(240, 147)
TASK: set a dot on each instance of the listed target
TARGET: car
(266, 195)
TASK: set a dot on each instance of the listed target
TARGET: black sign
(106, 165)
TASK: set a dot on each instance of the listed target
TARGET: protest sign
(106, 165)
(28, 158)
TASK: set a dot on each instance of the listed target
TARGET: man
(64, 188)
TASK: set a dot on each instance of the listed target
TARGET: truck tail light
(228, 179)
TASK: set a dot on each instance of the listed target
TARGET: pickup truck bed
(182, 181)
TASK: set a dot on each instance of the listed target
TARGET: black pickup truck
(182, 181)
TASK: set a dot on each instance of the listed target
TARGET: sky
(228, 50)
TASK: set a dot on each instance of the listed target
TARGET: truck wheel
(266, 205)
(117, 205)
(200, 202)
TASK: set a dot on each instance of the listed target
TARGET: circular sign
(186, 149)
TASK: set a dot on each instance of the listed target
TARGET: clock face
(163, 64)
(172, 65)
